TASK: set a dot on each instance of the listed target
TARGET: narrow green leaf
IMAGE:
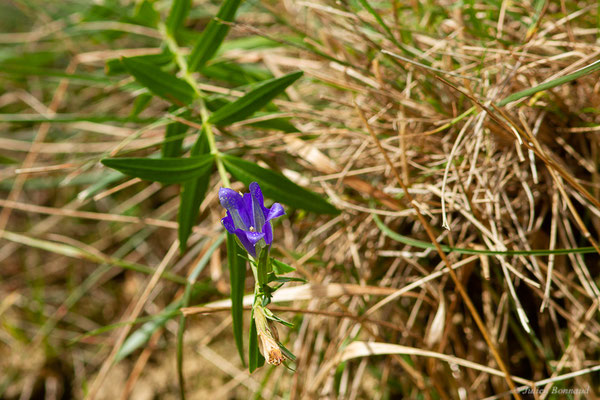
(387, 30)
(146, 15)
(253, 100)
(427, 245)
(538, 8)
(255, 359)
(282, 124)
(140, 103)
(29, 70)
(235, 73)
(66, 118)
(76, 252)
(7, 160)
(380, 21)
(141, 336)
(595, 66)
(274, 122)
(114, 66)
(276, 186)
(159, 82)
(192, 194)
(172, 148)
(281, 268)
(288, 354)
(237, 276)
(269, 314)
(177, 15)
(165, 170)
(211, 38)
(186, 301)
(263, 266)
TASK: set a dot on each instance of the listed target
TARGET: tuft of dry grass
(398, 125)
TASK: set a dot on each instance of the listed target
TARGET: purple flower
(248, 218)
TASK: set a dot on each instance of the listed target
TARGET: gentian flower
(248, 218)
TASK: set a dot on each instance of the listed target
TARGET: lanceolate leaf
(235, 74)
(237, 275)
(192, 194)
(211, 38)
(177, 15)
(264, 120)
(165, 170)
(280, 267)
(253, 100)
(159, 82)
(255, 359)
(595, 66)
(174, 135)
(114, 66)
(173, 139)
(277, 186)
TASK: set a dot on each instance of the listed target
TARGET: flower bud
(268, 344)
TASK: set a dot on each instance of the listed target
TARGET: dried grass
(519, 177)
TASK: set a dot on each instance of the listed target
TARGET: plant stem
(204, 115)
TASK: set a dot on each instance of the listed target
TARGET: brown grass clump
(400, 126)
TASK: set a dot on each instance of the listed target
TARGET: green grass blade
(177, 15)
(140, 104)
(426, 245)
(192, 194)
(211, 38)
(280, 267)
(185, 302)
(162, 84)
(141, 336)
(380, 21)
(595, 66)
(253, 100)
(237, 276)
(164, 170)
(7, 160)
(114, 66)
(255, 359)
(171, 147)
(66, 118)
(277, 186)
(235, 74)
(75, 252)
(27, 70)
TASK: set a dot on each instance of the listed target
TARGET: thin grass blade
(211, 38)
(277, 186)
(593, 67)
(164, 170)
(237, 276)
(253, 100)
(159, 82)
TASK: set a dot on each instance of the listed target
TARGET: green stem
(187, 76)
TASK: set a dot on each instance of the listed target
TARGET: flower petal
(248, 208)
(267, 229)
(257, 193)
(249, 240)
(230, 199)
(254, 237)
(258, 208)
(234, 203)
(275, 212)
(228, 223)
